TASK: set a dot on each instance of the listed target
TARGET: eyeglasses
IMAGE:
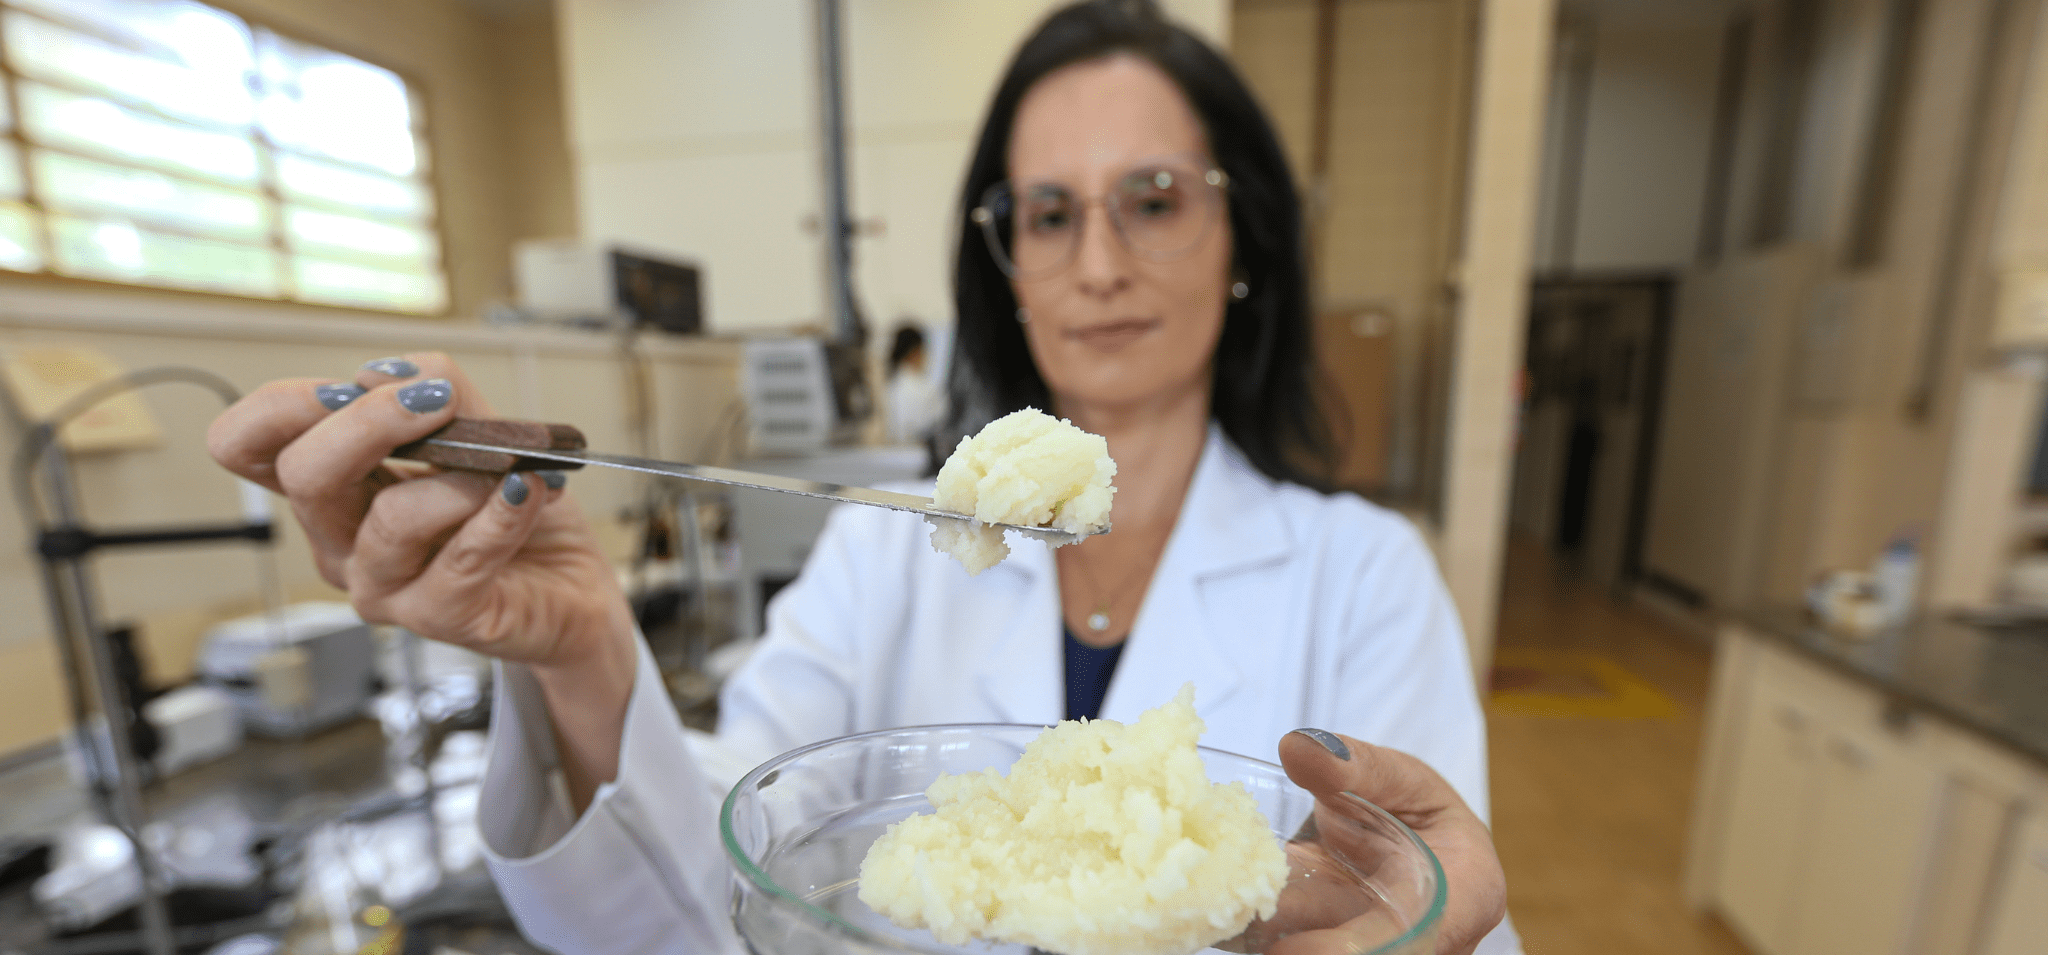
(1160, 211)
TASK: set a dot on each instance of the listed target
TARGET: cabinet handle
(1855, 756)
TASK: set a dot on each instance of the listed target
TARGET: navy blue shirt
(1088, 672)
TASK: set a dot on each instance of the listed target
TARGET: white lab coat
(1286, 608)
(915, 406)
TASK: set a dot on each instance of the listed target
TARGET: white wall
(1641, 171)
(693, 129)
(1648, 135)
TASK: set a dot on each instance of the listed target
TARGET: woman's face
(1113, 328)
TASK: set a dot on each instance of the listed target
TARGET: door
(2019, 908)
(1868, 843)
(1776, 783)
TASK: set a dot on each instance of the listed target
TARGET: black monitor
(658, 294)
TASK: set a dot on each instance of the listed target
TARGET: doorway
(1591, 395)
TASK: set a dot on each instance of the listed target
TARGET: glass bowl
(798, 826)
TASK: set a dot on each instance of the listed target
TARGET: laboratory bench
(1886, 794)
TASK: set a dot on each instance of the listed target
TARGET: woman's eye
(1155, 206)
(1050, 220)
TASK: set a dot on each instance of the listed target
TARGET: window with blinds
(168, 143)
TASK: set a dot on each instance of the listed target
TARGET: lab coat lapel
(1230, 524)
(1019, 677)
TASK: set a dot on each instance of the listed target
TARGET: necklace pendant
(1098, 621)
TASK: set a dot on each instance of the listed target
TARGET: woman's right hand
(506, 566)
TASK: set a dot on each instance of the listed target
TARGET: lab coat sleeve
(641, 871)
(1408, 660)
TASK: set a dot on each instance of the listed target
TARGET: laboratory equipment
(290, 673)
(796, 828)
(65, 544)
(575, 282)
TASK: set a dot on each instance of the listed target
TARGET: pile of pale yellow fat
(1028, 468)
(1104, 839)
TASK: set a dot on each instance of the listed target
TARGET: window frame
(267, 186)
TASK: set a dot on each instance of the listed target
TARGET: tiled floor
(1596, 726)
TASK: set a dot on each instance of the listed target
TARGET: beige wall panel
(1393, 120)
(912, 189)
(542, 200)
(1389, 201)
(1648, 135)
(1511, 75)
(1273, 44)
(653, 73)
(2023, 229)
(1724, 394)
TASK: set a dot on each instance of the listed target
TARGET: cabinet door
(1868, 843)
(1775, 784)
(2019, 917)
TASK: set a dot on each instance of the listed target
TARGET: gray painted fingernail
(515, 490)
(422, 397)
(1328, 740)
(395, 367)
(337, 397)
(554, 479)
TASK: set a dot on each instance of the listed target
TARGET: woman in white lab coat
(1130, 257)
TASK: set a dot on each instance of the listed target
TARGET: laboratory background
(1703, 341)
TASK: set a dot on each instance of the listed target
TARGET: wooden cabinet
(2019, 912)
(1772, 798)
(1827, 814)
(1830, 820)
(1867, 845)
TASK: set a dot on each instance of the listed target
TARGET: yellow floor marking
(1626, 696)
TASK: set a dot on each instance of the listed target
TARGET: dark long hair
(1263, 393)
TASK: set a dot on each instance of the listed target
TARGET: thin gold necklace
(1099, 619)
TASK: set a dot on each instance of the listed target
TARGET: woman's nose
(1101, 266)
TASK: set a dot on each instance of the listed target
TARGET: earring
(1240, 290)
(1023, 315)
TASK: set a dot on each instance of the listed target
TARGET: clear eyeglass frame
(993, 215)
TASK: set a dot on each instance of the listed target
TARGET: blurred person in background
(1130, 257)
(915, 401)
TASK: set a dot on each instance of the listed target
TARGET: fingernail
(421, 397)
(1328, 740)
(554, 479)
(337, 397)
(395, 367)
(514, 490)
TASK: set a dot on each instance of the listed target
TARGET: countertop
(1992, 680)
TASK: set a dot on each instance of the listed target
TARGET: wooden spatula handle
(503, 433)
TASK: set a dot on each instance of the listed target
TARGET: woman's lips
(1113, 335)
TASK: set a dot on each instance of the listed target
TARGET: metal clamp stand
(64, 547)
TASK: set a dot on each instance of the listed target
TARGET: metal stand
(64, 545)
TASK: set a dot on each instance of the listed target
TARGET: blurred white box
(196, 723)
(562, 278)
(311, 666)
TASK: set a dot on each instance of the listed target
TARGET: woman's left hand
(1476, 899)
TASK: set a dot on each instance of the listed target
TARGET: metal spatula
(496, 446)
